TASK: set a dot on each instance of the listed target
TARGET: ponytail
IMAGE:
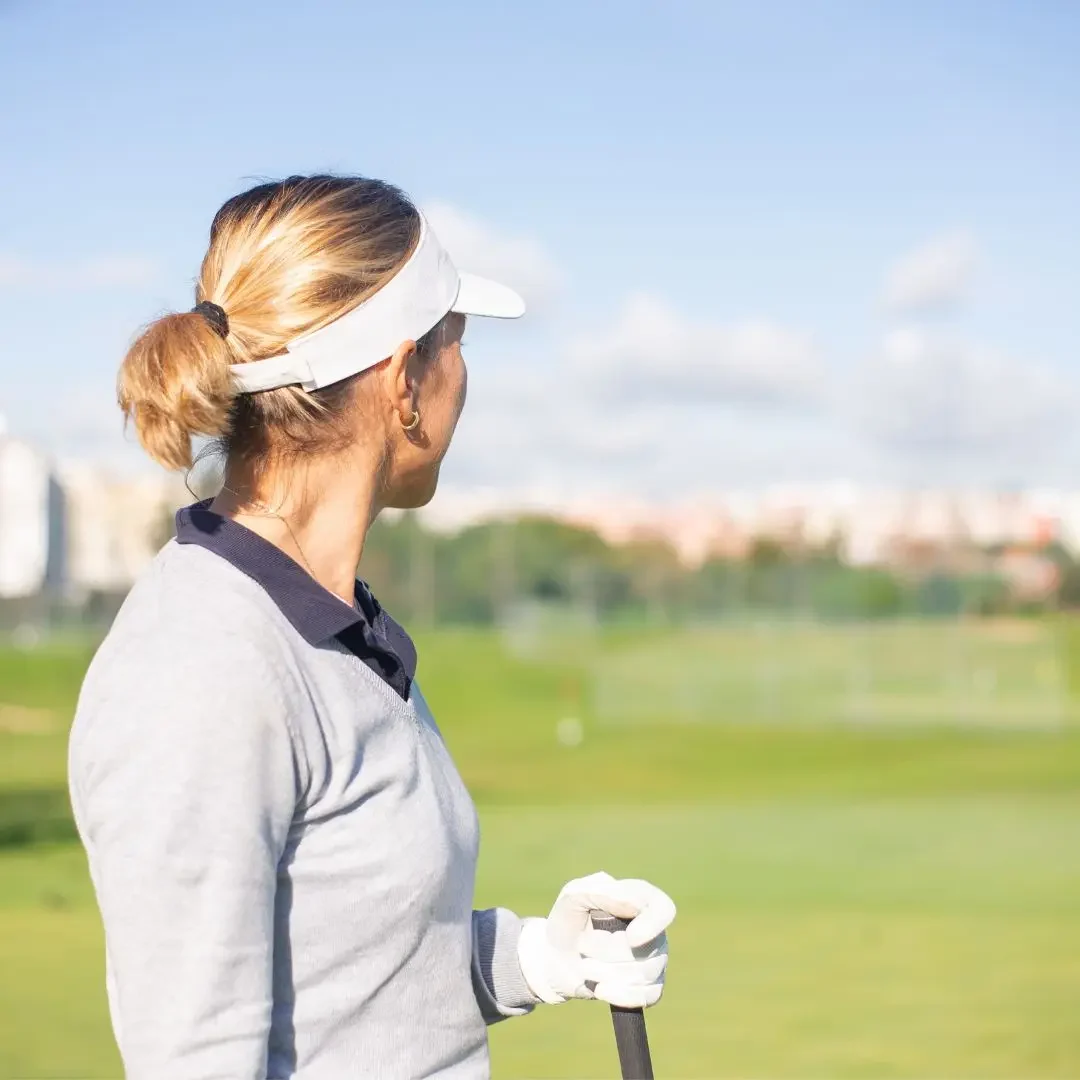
(174, 384)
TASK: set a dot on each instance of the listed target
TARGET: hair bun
(174, 384)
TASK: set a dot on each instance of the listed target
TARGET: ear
(399, 380)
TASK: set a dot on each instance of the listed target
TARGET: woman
(282, 849)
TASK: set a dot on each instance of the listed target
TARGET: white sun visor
(404, 309)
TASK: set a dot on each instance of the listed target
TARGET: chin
(418, 491)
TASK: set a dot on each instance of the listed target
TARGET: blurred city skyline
(71, 528)
(763, 244)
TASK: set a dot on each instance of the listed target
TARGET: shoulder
(191, 607)
(185, 585)
(196, 644)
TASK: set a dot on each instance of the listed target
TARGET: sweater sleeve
(184, 784)
(498, 983)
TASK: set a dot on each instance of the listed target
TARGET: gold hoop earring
(414, 421)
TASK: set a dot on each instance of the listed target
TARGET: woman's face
(438, 383)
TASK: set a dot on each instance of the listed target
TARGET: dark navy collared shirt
(365, 629)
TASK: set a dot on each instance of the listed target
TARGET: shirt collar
(315, 613)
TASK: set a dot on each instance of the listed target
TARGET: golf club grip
(631, 1038)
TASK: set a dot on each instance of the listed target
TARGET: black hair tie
(215, 315)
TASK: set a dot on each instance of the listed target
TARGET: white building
(32, 539)
(116, 524)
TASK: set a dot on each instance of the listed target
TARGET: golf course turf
(891, 892)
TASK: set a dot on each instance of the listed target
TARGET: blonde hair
(284, 258)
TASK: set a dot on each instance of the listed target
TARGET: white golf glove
(563, 957)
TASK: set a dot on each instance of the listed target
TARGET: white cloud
(935, 276)
(929, 394)
(657, 403)
(652, 353)
(99, 272)
(662, 404)
(519, 261)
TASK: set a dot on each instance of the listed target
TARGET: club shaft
(631, 1038)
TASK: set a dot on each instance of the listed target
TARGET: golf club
(631, 1038)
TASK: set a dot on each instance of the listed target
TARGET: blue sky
(764, 242)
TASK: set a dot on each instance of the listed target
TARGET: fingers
(626, 967)
(615, 947)
(650, 909)
(629, 997)
(583, 895)
(653, 912)
(570, 915)
(619, 973)
(636, 973)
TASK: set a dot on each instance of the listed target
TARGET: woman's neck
(319, 515)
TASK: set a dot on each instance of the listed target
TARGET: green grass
(893, 900)
(1005, 674)
(859, 940)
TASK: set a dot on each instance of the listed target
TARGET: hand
(563, 957)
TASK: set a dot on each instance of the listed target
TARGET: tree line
(481, 573)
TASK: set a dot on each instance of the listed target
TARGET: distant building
(116, 525)
(867, 526)
(33, 537)
(1029, 575)
(72, 531)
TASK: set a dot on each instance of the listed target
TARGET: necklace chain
(262, 510)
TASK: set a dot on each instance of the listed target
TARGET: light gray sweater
(282, 849)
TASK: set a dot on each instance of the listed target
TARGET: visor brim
(479, 296)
